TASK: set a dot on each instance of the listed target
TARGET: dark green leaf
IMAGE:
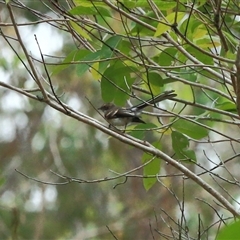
(108, 50)
(116, 84)
(2, 181)
(227, 106)
(125, 47)
(156, 82)
(180, 144)
(167, 56)
(108, 88)
(201, 57)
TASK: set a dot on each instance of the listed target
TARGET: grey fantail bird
(118, 116)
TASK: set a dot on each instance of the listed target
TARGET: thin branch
(237, 63)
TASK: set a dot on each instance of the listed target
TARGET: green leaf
(156, 82)
(166, 5)
(167, 57)
(125, 47)
(162, 28)
(162, 5)
(188, 74)
(208, 42)
(106, 88)
(80, 10)
(139, 130)
(144, 30)
(129, 4)
(80, 30)
(116, 83)
(2, 181)
(199, 32)
(110, 45)
(231, 41)
(200, 3)
(91, 10)
(229, 232)
(87, 3)
(227, 106)
(190, 129)
(75, 55)
(201, 57)
(153, 168)
(108, 50)
(180, 144)
(91, 57)
(95, 71)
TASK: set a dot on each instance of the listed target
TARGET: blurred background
(36, 139)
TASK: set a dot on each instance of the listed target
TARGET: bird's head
(106, 107)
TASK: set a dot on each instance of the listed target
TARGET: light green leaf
(75, 55)
(91, 10)
(199, 32)
(95, 72)
(80, 30)
(190, 129)
(166, 5)
(162, 28)
(162, 5)
(151, 169)
(229, 232)
(87, 3)
(208, 42)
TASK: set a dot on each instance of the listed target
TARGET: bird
(119, 116)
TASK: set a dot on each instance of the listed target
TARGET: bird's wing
(120, 113)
